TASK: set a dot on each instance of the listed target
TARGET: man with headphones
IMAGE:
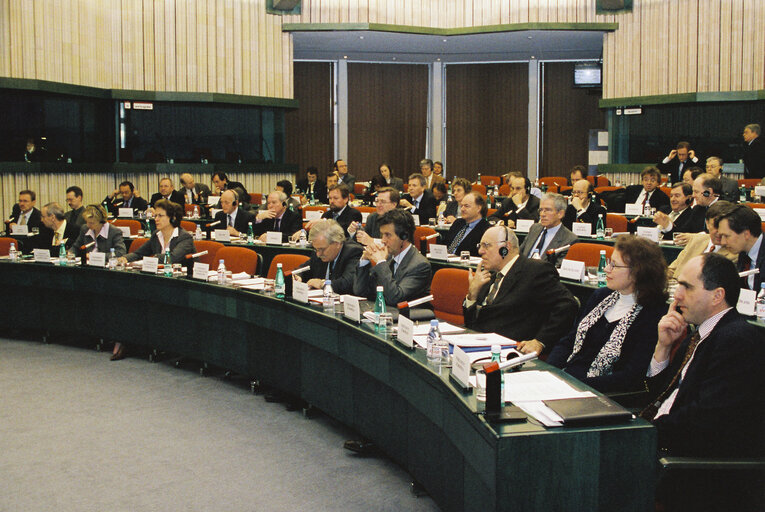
(729, 187)
(520, 205)
(397, 266)
(232, 217)
(517, 297)
(679, 220)
(277, 217)
(706, 191)
(649, 192)
(582, 209)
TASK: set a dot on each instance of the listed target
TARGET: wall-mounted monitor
(587, 74)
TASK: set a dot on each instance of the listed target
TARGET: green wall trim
(690, 97)
(124, 94)
(405, 29)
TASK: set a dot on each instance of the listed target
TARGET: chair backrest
(588, 253)
(755, 205)
(255, 198)
(321, 209)
(359, 188)
(491, 211)
(600, 190)
(504, 190)
(5, 245)
(406, 186)
(449, 287)
(552, 189)
(238, 259)
(564, 189)
(480, 188)
(419, 233)
(748, 182)
(559, 181)
(135, 244)
(289, 262)
(616, 222)
(189, 226)
(666, 190)
(599, 181)
(188, 209)
(134, 225)
(212, 249)
(492, 181)
(366, 209)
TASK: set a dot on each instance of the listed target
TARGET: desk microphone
(430, 237)
(413, 303)
(87, 246)
(296, 271)
(559, 250)
(511, 363)
(747, 273)
(195, 255)
(117, 204)
(213, 223)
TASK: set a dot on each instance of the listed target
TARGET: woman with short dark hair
(168, 235)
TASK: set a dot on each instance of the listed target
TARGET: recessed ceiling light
(444, 40)
(529, 37)
(439, 59)
(394, 58)
(533, 57)
(361, 37)
(345, 56)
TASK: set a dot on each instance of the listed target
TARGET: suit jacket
(397, 183)
(672, 168)
(44, 239)
(531, 303)
(452, 208)
(343, 270)
(319, 190)
(590, 215)
(470, 242)
(75, 216)
(434, 178)
(176, 196)
(754, 159)
(347, 216)
(721, 393)
(291, 223)
(411, 281)
(658, 199)
(509, 210)
(687, 222)
(200, 193)
(33, 221)
(628, 371)
(561, 238)
(371, 227)
(235, 184)
(696, 245)
(113, 239)
(697, 221)
(136, 203)
(241, 222)
(760, 264)
(180, 246)
(729, 189)
(349, 180)
(427, 208)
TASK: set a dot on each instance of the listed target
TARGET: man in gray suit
(729, 186)
(397, 266)
(387, 200)
(193, 193)
(548, 233)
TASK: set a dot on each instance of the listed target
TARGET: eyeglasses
(485, 245)
(610, 264)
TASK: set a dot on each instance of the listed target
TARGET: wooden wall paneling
(247, 34)
(748, 65)
(212, 45)
(157, 50)
(192, 35)
(228, 50)
(65, 49)
(171, 78)
(260, 58)
(200, 22)
(38, 42)
(736, 45)
(5, 38)
(181, 47)
(275, 62)
(128, 43)
(724, 68)
(236, 55)
(148, 46)
(756, 37)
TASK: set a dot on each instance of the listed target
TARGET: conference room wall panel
(487, 118)
(387, 118)
(217, 46)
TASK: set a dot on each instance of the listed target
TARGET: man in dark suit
(517, 297)
(398, 266)
(679, 220)
(754, 152)
(193, 193)
(740, 230)
(387, 200)
(277, 217)
(706, 192)
(520, 205)
(549, 233)
(466, 232)
(678, 161)
(343, 176)
(335, 258)
(74, 200)
(231, 217)
(124, 197)
(419, 201)
(582, 209)
(729, 187)
(312, 187)
(339, 209)
(24, 213)
(221, 182)
(648, 192)
(166, 191)
(426, 169)
(56, 230)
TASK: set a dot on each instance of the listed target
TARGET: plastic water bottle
(496, 357)
(221, 273)
(198, 233)
(62, 255)
(759, 304)
(327, 299)
(600, 229)
(602, 270)
(742, 194)
(379, 306)
(147, 231)
(303, 241)
(250, 234)
(112, 264)
(167, 264)
(435, 341)
(196, 211)
(13, 254)
(279, 286)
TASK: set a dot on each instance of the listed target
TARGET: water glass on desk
(609, 232)
(432, 222)
(385, 324)
(465, 257)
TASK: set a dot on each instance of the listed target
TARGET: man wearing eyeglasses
(581, 208)
(515, 296)
(335, 258)
(387, 200)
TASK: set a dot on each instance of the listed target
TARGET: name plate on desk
(405, 334)
(222, 235)
(41, 255)
(212, 200)
(274, 237)
(761, 212)
(364, 216)
(633, 209)
(97, 259)
(17, 229)
(651, 234)
(313, 214)
(461, 367)
(581, 228)
(351, 309)
(439, 252)
(150, 265)
(759, 190)
(523, 225)
(416, 220)
(125, 212)
(201, 271)
(125, 230)
(571, 269)
(300, 291)
(746, 301)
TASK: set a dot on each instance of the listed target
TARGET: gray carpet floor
(80, 433)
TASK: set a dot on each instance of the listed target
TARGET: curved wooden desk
(375, 386)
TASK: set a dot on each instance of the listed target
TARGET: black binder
(594, 410)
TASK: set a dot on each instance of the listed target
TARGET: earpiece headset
(689, 201)
(527, 185)
(503, 251)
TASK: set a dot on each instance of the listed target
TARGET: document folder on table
(595, 410)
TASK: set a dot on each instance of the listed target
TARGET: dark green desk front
(384, 391)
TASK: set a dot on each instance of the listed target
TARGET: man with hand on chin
(515, 296)
(335, 258)
(277, 217)
(234, 219)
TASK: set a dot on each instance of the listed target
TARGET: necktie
(457, 239)
(746, 264)
(541, 242)
(127, 203)
(230, 222)
(56, 238)
(650, 411)
(277, 222)
(23, 219)
(645, 199)
(393, 266)
(494, 288)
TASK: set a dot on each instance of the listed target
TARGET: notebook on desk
(595, 410)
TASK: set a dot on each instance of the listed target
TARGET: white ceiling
(500, 46)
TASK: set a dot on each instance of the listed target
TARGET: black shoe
(360, 446)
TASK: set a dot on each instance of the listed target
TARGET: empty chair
(504, 190)
(5, 245)
(599, 181)
(133, 246)
(239, 259)
(256, 198)
(558, 181)
(289, 262)
(491, 181)
(748, 182)
(449, 288)
(616, 222)
(359, 189)
(212, 249)
(480, 188)
(307, 209)
(588, 253)
(189, 226)
(134, 225)
(421, 232)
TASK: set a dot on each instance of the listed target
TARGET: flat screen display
(587, 74)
